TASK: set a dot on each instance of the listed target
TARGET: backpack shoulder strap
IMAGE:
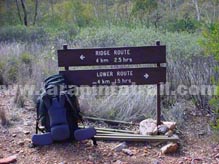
(62, 99)
(46, 100)
(74, 108)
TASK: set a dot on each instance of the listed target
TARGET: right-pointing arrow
(146, 76)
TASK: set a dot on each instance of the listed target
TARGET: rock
(162, 129)
(156, 162)
(147, 126)
(149, 147)
(120, 146)
(89, 162)
(155, 144)
(27, 140)
(27, 123)
(19, 151)
(14, 135)
(118, 162)
(64, 162)
(155, 131)
(26, 132)
(30, 108)
(127, 151)
(169, 133)
(169, 148)
(170, 125)
(216, 156)
(196, 159)
(91, 158)
(21, 143)
(8, 160)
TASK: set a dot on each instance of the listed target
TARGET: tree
(198, 15)
(24, 11)
(18, 11)
(142, 8)
(35, 13)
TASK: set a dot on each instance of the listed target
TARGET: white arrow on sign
(146, 76)
(82, 57)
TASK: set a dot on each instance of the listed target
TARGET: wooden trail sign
(126, 76)
(116, 76)
(112, 56)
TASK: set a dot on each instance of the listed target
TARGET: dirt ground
(197, 144)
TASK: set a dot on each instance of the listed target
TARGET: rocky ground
(197, 143)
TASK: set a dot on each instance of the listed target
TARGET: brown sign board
(118, 76)
(126, 76)
(112, 56)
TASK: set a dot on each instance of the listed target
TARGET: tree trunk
(25, 12)
(171, 8)
(36, 9)
(197, 9)
(18, 11)
(51, 3)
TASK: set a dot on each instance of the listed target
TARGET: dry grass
(124, 105)
(19, 99)
(3, 118)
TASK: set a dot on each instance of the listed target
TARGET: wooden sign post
(116, 76)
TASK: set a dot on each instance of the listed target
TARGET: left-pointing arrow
(82, 57)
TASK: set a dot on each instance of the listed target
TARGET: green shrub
(12, 72)
(179, 44)
(9, 70)
(2, 65)
(66, 32)
(210, 43)
(187, 24)
(26, 58)
(23, 34)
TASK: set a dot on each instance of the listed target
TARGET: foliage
(26, 58)
(211, 40)
(12, 68)
(23, 34)
(139, 36)
(185, 24)
(30, 50)
(143, 7)
(2, 65)
(211, 47)
(181, 15)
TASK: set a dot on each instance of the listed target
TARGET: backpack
(59, 114)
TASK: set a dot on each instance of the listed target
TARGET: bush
(210, 43)
(11, 70)
(23, 34)
(184, 61)
(2, 65)
(187, 24)
(19, 99)
(3, 118)
(26, 58)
